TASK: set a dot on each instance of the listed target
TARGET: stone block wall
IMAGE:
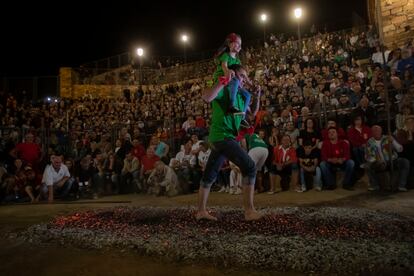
(395, 19)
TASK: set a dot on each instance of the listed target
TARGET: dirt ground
(23, 259)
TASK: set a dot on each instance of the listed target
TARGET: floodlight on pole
(298, 15)
(184, 39)
(140, 52)
(263, 18)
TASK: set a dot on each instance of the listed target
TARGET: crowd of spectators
(323, 101)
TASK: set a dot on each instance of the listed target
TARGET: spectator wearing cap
(336, 156)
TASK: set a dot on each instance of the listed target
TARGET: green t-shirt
(254, 141)
(225, 57)
(224, 125)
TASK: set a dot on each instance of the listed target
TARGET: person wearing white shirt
(203, 155)
(183, 164)
(56, 179)
(195, 148)
(380, 56)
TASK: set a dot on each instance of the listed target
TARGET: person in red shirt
(28, 151)
(358, 135)
(336, 156)
(148, 164)
(138, 149)
(284, 166)
(200, 122)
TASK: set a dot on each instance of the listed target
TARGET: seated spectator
(336, 156)
(309, 133)
(147, 165)
(406, 63)
(405, 137)
(99, 179)
(379, 159)
(29, 151)
(358, 135)
(344, 109)
(367, 112)
(33, 184)
(332, 123)
(183, 164)
(293, 133)
(138, 149)
(130, 174)
(194, 130)
(274, 137)
(284, 118)
(302, 118)
(56, 179)
(235, 180)
(15, 187)
(163, 181)
(203, 155)
(400, 119)
(161, 149)
(308, 162)
(284, 167)
(195, 148)
(84, 175)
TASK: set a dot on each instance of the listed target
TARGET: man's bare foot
(204, 215)
(252, 215)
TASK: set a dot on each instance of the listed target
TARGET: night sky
(38, 38)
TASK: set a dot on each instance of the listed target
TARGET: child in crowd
(226, 56)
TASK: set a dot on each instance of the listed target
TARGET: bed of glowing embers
(339, 240)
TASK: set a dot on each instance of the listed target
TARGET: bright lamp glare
(140, 52)
(298, 13)
(184, 38)
(263, 17)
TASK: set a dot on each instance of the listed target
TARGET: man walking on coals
(223, 131)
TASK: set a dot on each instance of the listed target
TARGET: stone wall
(69, 87)
(100, 91)
(395, 20)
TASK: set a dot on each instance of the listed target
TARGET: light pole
(298, 15)
(140, 53)
(263, 18)
(184, 39)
